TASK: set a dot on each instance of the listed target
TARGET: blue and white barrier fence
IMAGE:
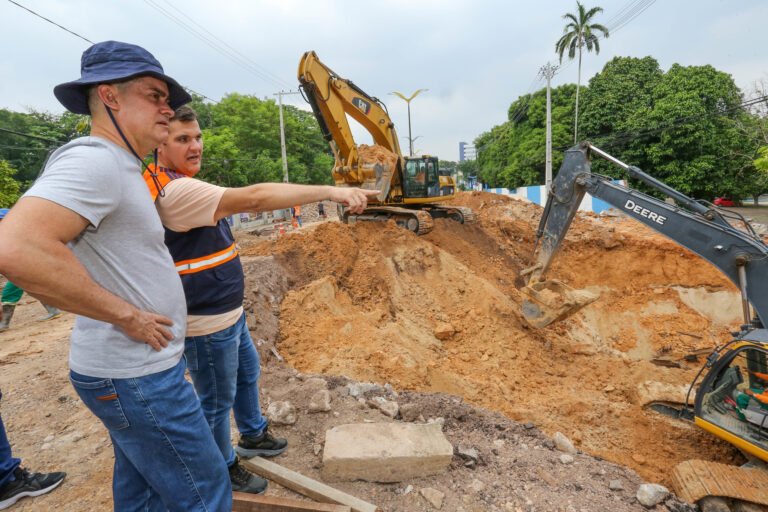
(538, 194)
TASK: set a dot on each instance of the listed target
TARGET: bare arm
(274, 196)
(34, 256)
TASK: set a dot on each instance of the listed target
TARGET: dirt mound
(440, 313)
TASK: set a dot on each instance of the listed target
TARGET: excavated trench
(442, 313)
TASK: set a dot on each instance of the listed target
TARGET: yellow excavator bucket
(545, 302)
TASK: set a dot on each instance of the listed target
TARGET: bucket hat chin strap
(152, 172)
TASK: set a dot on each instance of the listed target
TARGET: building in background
(466, 152)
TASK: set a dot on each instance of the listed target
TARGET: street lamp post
(408, 101)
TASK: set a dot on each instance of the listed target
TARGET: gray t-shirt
(123, 250)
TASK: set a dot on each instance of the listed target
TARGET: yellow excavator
(410, 188)
(731, 389)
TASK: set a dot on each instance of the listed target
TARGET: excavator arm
(332, 98)
(741, 256)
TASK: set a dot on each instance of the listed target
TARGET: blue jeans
(8, 463)
(165, 456)
(225, 371)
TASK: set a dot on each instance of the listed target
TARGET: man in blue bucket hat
(87, 239)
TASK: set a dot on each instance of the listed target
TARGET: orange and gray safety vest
(206, 258)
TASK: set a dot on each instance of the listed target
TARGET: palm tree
(578, 33)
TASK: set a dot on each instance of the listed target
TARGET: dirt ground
(437, 318)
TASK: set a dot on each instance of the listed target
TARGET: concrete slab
(385, 452)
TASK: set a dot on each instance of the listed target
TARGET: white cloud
(475, 57)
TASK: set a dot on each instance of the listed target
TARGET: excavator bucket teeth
(550, 301)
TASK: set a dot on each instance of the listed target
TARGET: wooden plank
(244, 502)
(305, 485)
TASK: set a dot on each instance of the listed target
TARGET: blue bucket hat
(3, 212)
(113, 61)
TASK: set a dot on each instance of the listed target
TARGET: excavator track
(697, 479)
(418, 221)
(460, 214)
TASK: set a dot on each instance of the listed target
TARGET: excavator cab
(421, 177)
(732, 402)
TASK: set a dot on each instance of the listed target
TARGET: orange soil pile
(442, 313)
(371, 155)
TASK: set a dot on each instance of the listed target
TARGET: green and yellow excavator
(730, 393)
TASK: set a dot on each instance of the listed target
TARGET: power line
(612, 139)
(218, 44)
(640, 9)
(52, 22)
(240, 54)
(22, 148)
(30, 136)
(91, 42)
(625, 15)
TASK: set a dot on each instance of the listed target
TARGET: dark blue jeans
(8, 463)
(225, 371)
(165, 455)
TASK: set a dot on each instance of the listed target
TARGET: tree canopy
(241, 140)
(685, 126)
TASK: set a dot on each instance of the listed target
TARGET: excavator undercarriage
(420, 220)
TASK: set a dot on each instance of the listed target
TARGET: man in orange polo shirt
(221, 358)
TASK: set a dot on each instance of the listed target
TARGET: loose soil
(438, 319)
(441, 313)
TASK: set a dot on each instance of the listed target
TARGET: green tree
(513, 154)
(9, 187)
(26, 139)
(579, 33)
(690, 137)
(615, 104)
(254, 128)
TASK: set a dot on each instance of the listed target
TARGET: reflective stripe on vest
(206, 262)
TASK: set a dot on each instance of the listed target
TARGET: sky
(474, 57)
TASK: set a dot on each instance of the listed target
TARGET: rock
(653, 391)
(316, 449)
(563, 443)
(387, 407)
(315, 383)
(385, 452)
(444, 331)
(566, 458)
(72, 437)
(433, 496)
(616, 485)
(498, 443)
(609, 240)
(674, 504)
(410, 412)
(320, 401)
(439, 421)
(358, 389)
(650, 495)
(49, 439)
(467, 453)
(477, 485)
(408, 489)
(528, 426)
(281, 413)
